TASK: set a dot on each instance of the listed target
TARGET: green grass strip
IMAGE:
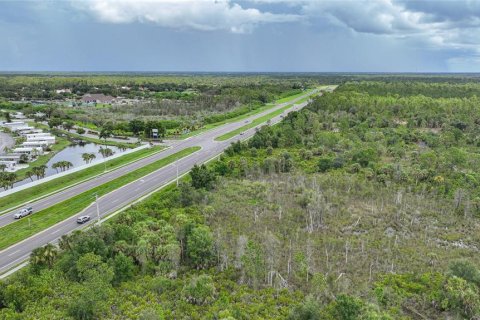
(290, 98)
(252, 124)
(35, 192)
(23, 228)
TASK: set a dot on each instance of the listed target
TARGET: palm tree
(65, 242)
(56, 165)
(88, 157)
(44, 256)
(29, 174)
(105, 152)
(4, 183)
(141, 253)
(67, 165)
(7, 179)
(39, 171)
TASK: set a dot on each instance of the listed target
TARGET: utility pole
(104, 164)
(98, 209)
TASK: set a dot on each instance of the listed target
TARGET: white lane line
(116, 200)
(53, 232)
(11, 254)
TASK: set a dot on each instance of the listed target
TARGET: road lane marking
(53, 232)
(11, 254)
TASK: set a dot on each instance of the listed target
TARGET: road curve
(123, 196)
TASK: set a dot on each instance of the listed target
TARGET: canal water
(73, 154)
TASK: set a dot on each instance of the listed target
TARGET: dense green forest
(364, 205)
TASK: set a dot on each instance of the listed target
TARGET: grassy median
(24, 196)
(252, 124)
(27, 227)
(253, 112)
(264, 118)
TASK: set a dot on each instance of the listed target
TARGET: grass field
(24, 228)
(21, 197)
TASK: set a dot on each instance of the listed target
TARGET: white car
(83, 219)
(23, 213)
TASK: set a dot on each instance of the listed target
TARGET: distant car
(241, 133)
(246, 121)
(23, 213)
(83, 219)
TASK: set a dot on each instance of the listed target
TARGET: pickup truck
(23, 213)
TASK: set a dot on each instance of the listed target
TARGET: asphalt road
(6, 141)
(123, 196)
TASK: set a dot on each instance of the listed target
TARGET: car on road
(83, 219)
(23, 213)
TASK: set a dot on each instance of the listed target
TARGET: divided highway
(125, 195)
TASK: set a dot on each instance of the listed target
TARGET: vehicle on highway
(23, 213)
(241, 133)
(83, 219)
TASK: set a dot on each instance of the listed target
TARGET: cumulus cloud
(366, 16)
(447, 24)
(207, 15)
(444, 24)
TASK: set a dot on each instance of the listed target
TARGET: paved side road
(123, 196)
(6, 141)
(94, 136)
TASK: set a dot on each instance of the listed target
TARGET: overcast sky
(229, 35)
